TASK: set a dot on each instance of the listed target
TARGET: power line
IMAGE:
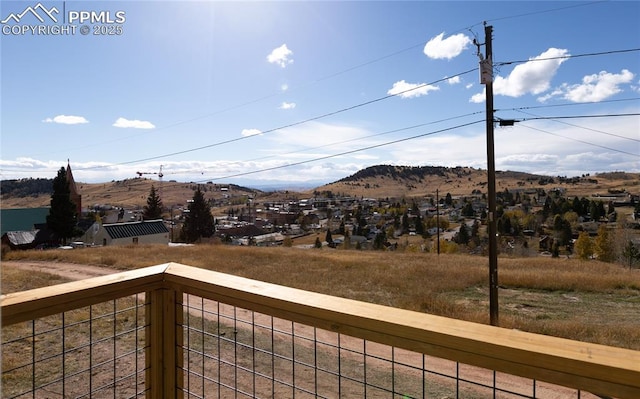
(322, 116)
(567, 104)
(368, 136)
(579, 116)
(587, 128)
(584, 142)
(341, 153)
(545, 11)
(497, 64)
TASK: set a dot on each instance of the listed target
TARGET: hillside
(380, 181)
(383, 181)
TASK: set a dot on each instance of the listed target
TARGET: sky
(300, 94)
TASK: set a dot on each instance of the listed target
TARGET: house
(143, 232)
(20, 239)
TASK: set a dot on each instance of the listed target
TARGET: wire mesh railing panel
(234, 353)
(92, 352)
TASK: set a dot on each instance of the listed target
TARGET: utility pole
(486, 78)
(438, 220)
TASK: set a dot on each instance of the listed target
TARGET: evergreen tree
(467, 210)
(379, 240)
(198, 222)
(153, 209)
(463, 235)
(448, 200)
(318, 244)
(328, 237)
(62, 218)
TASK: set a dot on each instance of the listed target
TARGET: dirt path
(70, 271)
(351, 345)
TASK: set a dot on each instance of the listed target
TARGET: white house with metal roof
(142, 232)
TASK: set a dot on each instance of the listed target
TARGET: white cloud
(454, 80)
(280, 56)
(451, 47)
(286, 105)
(284, 87)
(250, 132)
(311, 136)
(478, 97)
(532, 77)
(468, 85)
(66, 120)
(409, 90)
(596, 87)
(136, 124)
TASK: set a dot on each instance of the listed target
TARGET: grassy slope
(589, 301)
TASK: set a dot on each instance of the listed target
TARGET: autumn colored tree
(604, 247)
(584, 246)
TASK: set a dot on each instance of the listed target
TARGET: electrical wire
(367, 137)
(583, 142)
(342, 153)
(315, 118)
(610, 52)
(584, 127)
(545, 11)
(566, 104)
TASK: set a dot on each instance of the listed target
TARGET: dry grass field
(583, 300)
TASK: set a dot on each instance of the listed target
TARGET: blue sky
(215, 91)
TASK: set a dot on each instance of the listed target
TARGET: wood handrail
(590, 367)
(47, 301)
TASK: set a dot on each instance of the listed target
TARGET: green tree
(562, 230)
(584, 246)
(448, 200)
(198, 222)
(318, 243)
(153, 209)
(463, 235)
(328, 238)
(62, 218)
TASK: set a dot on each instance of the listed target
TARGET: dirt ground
(440, 387)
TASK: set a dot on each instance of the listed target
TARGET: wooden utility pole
(486, 78)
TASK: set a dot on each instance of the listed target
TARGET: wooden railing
(602, 370)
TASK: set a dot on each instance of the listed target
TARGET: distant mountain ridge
(378, 181)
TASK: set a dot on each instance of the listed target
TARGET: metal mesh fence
(231, 352)
(96, 351)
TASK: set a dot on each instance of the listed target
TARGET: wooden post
(163, 356)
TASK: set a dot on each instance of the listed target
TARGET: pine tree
(153, 209)
(463, 235)
(62, 218)
(198, 222)
(328, 238)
